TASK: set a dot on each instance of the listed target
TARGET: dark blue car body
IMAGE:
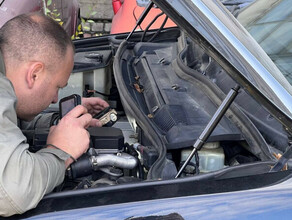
(266, 203)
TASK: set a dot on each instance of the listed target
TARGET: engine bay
(165, 92)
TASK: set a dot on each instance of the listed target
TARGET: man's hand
(94, 105)
(70, 135)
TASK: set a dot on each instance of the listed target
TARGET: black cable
(88, 91)
(107, 95)
(136, 18)
(197, 163)
(140, 170)
(150, 24)
(159, 30)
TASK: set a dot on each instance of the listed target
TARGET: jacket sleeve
(45, 120)
(25, 177)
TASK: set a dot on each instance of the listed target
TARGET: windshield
(269, 22)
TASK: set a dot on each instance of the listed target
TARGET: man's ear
(34, 72)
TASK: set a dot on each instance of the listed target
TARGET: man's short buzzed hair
(33, 36)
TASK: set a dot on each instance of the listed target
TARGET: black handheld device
(66, 104)
(107, 117)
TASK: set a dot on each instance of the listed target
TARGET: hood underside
(212, 27)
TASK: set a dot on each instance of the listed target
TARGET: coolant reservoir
(211, 157)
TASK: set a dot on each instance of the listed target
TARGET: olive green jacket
(25, 177)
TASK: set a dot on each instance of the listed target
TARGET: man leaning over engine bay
(37, 59)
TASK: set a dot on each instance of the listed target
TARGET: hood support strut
(211, 126)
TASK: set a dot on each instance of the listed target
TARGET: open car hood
(227, 42)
